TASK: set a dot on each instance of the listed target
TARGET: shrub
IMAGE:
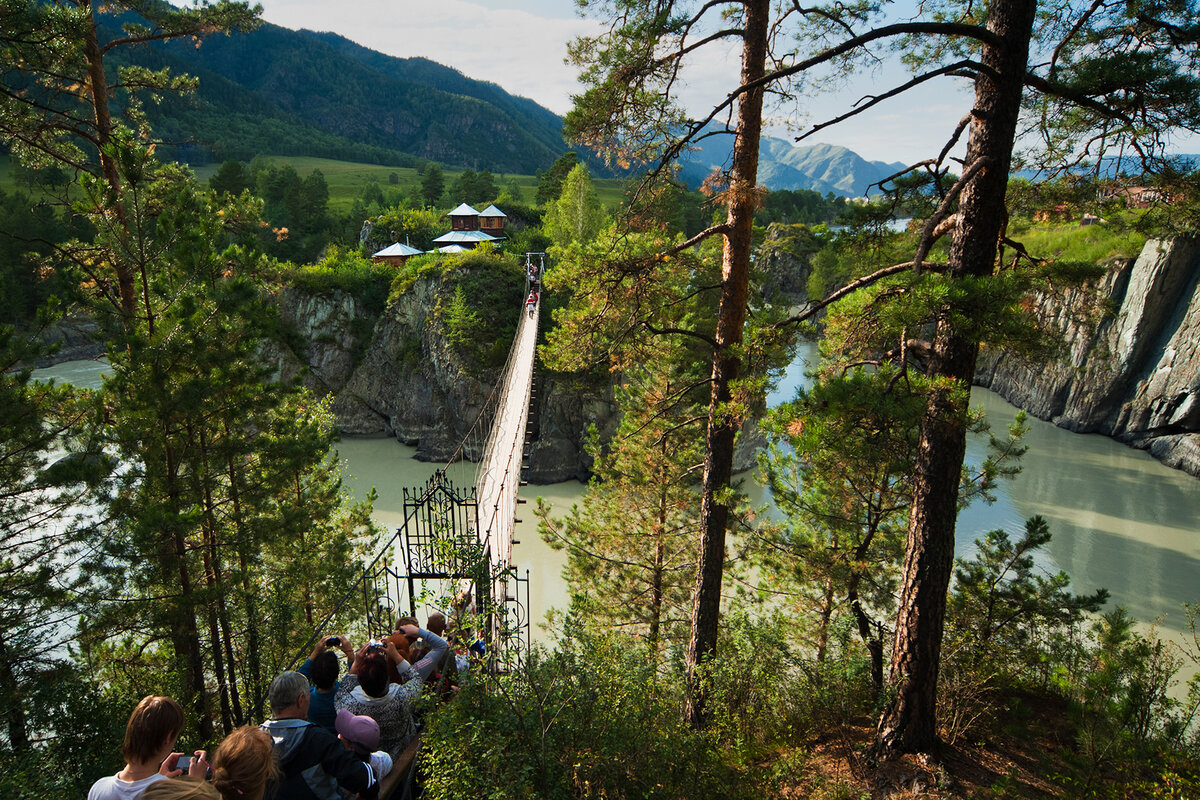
(1007, 625)
(480, 317)
(591, 720)
(346, 270)
(763, 694)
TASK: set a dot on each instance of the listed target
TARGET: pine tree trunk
(731, 317)
(212, 578)
(253, 671)
(10, 691)
(185, 635)
(826, 613)
(909, 723)
(99, 91)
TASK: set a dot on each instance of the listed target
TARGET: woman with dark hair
(368, 691)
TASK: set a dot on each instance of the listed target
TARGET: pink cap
(362, 733)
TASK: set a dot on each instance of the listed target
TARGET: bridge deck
(499, 475)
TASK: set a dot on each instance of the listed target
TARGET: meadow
(347, 179)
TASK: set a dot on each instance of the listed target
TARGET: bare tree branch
(879, 98)
(811, 310)
(931, 225)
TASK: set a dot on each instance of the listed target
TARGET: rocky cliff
(1134, 373)
(395, 375)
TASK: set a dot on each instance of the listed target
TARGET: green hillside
(306, 94)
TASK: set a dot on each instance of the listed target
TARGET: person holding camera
(322, 668)
(368, 690)
(148, 749)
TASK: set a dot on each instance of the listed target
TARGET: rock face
(1135, 373)
(395, 375)
(73, 338)
(784, 258)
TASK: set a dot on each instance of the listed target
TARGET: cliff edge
(1133, 374)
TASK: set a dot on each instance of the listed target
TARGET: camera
(183, 762)
(333, 641)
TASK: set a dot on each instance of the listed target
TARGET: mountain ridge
(318, 93)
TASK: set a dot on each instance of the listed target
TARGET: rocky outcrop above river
(395, 375)
(785, 257)
(71, 339)
(1132, 372)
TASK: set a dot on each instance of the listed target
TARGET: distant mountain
(301, 85)
(824, 168)
(287, 92)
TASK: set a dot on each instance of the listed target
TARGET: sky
(521, 45)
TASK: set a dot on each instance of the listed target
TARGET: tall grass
(1092, 244)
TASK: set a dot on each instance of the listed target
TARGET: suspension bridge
(453, 551)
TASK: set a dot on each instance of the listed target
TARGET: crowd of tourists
(329, 737)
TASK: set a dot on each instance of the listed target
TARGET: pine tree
(1117, 75)
(46, 475)
(226, 533)
(432, 185)
(630, 544)
(56, 98)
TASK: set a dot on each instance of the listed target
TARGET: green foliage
(550, 182)
(630, 543)
(576, 216)
(459, 321)
(491, 287)
(767, 693)
(1089, 244)
(82, 726)
(55, 115)
(226, 533)
(862, 247)
(432, 185)
(1122, 691)
(838, 466)
(46, 478)
(29, 230)
(295, 208)
(232, 178)
(346, 270)
(414, 227)
(476, 189)
(791, 207)
(590, 720)
(1008, 626)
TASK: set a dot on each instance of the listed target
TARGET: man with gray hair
(312, 763)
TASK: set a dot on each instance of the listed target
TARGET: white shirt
(113, 788)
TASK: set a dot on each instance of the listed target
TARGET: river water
(1120, 520)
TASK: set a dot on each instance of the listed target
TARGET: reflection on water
(1120, 519)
